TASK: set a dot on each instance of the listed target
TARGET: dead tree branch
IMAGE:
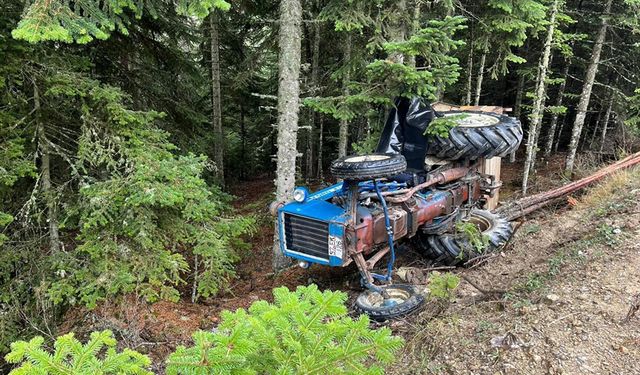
(526, 205)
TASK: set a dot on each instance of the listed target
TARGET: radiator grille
(307, 236)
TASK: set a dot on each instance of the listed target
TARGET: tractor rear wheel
(477, 135)
(457, 248)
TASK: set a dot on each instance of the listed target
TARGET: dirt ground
(558, 293)
(554, 302)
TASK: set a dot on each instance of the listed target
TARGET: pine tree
(288, 107)
(559, 109)
(82, 21)
(538, 106)
(216, 105)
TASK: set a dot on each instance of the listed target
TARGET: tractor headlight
(300, 194)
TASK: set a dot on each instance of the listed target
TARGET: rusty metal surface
(410, 215)
(443, 177)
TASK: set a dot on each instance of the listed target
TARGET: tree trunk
(320, 148)
(538, 104)
(315, 67)
(343, 138)
(288, 107)
(483, 60)
(415, 26)
(605, 123)
(559, 135)
(216, 105)
(595, 130)
(517, 110)
(585, 96)
(554, 119)
(243, 139)
(467, 98)
(539, 127)
(583, 139)
(45, 175)
(398, 30)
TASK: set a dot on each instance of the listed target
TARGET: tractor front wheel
(402, 300)
(368, 167)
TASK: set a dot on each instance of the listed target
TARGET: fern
(302, 332)
(71, 357)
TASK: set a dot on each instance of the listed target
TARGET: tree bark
(559, 135)
(605, 122)
(216, 102)
(415, 26)
(467, 98)
(288, 107)
(539, 127)
(243, 139)
(343, 138)
(320, 148)
(315, 67)
(539, 102)
(595, 130)
(554, 119)
(45, 175)
(517, 110)
(483, 60)
(585, 96)
(397, 31)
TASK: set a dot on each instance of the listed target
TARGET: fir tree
(302, 332)
(71, 357)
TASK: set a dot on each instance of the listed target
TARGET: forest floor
(558, 292)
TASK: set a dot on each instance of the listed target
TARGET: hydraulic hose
(387, 224)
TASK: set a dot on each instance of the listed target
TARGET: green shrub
(441, 286)
(302, 332)
(472, 233)
(441, 126)
(141, 210)
(71, 357)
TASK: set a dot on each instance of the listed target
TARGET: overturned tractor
(418, 186)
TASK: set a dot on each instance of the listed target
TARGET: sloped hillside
(559, 300)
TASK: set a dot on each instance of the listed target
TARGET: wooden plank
(492, 167)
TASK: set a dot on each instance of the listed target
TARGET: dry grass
(611, 189)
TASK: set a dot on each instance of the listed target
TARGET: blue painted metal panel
(315, 209)
(326, 193)
(318, 208)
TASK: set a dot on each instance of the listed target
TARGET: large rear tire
(368, 167)
(453, 249)
(477, 135)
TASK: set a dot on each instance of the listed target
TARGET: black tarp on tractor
(404, 129)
